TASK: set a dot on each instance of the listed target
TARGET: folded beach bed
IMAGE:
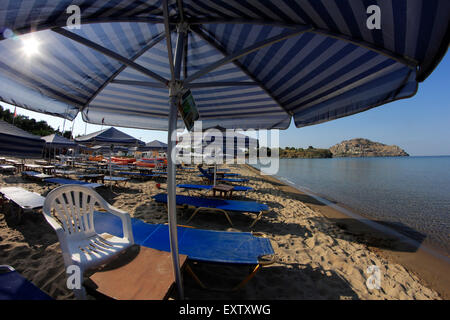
(13, 286)
(219, 205)
(25, 200)
(209, 246)
(71, 181)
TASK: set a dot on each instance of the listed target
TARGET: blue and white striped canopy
(266, 61)
(16, 142)
(56, 141)
(109, 136)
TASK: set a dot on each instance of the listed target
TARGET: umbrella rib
(168, 38)
(140, 83)
(239, 65)
(237, 55)
(63, 23)
(409, 62)
(109, 53)
(180, 9)
(189, 85)
(155, 41)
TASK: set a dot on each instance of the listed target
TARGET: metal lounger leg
(256, 219)
(210, 209)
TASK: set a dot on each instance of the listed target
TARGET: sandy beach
(321, 254)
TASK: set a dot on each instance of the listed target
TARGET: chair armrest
(126, 221)
(59, 232)
(55, 225)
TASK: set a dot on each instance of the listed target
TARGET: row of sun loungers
(218, 205)
(197, 245)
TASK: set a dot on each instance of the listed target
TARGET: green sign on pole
(188, 110)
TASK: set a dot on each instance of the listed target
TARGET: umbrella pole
(171, 196)
(110, 171)
(215, 174)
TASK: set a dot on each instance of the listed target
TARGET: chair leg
(257, 218)
(247, 279)
(191, 272)
(192, 216)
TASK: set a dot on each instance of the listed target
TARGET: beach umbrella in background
(56, 141)
(217, 145)
(155, 145)
(109, 136)
(112, 138)
(247, 63)
(16, 142)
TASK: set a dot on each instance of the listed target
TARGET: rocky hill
(365, 148)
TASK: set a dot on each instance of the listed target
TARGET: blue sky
(420, 125)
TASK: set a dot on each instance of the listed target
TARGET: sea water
(409, 194)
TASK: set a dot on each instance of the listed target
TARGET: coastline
(431, 267)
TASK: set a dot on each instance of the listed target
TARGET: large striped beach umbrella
(248, 63)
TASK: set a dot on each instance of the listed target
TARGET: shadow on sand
(279, 281)
(403, 238)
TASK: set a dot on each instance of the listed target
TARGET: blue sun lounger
(242, 248)
(223, 174)
(116, 180)
(13, 286)
(209, 187)
(139, 175)
(210, 177)
(213, 204)
(34, 175)
(71, 181)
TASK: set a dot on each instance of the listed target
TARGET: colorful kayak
(96, 158)
(122, 161)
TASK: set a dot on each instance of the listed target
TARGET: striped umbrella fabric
(249, 64)
(16, 142)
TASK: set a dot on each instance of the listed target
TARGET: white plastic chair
(69, 210)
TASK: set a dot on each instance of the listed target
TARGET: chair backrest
(72, 206)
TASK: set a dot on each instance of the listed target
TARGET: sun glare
(30, 46)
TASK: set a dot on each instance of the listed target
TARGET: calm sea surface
(413, 193)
